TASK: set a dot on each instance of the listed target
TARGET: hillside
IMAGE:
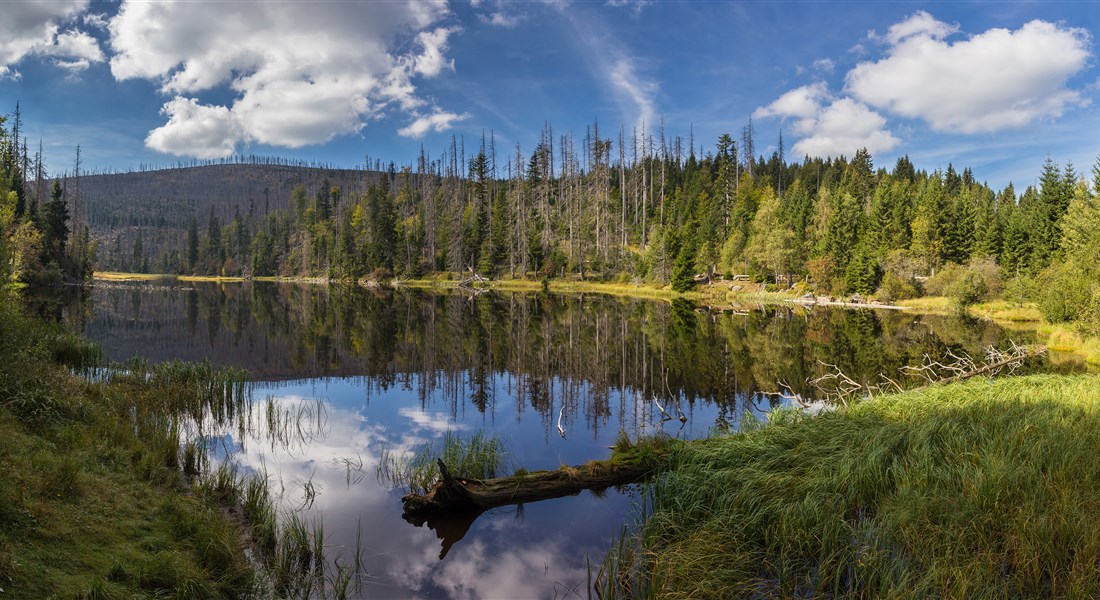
(160, 203)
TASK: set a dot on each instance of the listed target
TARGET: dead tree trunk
(452, 495)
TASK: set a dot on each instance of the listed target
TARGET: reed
(479, 457)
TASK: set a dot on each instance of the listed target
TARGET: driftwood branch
(473, 278)
(942, 372)
(454, 503)
(836, 387)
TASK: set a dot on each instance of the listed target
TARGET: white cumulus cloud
(991, 81)
(432, 61)
(825, 65)
(919, 23)
(34, 28)
(844, 127)
(73, 50)
(195, 130)
(299, 73)
(829, 126)
(802, 104)
(437, 121)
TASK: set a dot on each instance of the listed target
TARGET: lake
(344, 375)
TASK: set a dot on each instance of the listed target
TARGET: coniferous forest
(632, 207)
(42, 241)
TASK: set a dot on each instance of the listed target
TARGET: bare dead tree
(837, 387)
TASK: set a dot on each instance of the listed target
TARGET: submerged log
(453, 495)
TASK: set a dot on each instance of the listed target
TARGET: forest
(44, 238)
(632, 207)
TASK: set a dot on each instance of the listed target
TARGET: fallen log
(453, 495)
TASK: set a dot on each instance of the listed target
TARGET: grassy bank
(978, 490)
(1066, 338)
(564, 286)
(93, 498)
(107, 489)
(1001, 311)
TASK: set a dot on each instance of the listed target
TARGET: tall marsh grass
(972, 490)
(479, 457)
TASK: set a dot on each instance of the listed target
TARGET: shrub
(991, 275)
(978, 281)
(939, 282)
(1063, 292)
(899, 280)
(895, 288)
(231, 268)
(1019, 289)
(819, 273)
(1090, 314)
(380, 275)
(968, 289)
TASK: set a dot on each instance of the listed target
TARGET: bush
(899, 280)
(991, 275)
(380, 275)
(230, 268)
(1064, 292)
(978, 281)
(968, 289)
(939, 282)
(1019, 289)
(1090, 314)
(819, 273)
(895, 288)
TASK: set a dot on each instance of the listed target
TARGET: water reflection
(553, 346)
(323, 461)
(346, 373)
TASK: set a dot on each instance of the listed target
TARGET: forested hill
(161, 203)
(637, 210)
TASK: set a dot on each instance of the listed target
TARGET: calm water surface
(344, 373)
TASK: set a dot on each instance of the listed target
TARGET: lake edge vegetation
(984, 488)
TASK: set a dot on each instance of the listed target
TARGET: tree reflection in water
(394, 369)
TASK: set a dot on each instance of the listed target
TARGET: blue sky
(995, 86)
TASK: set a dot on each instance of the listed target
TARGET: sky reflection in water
(535, 552)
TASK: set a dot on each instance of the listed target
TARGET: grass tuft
(479, 457)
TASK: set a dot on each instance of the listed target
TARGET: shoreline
(721, 295)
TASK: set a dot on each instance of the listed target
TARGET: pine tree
(55, 229)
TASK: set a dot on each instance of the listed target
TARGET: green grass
(93, 500)
(479, 457)
(1066, 338)
(975, 490)
(1001, 311)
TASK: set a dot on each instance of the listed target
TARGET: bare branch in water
(836, 387)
